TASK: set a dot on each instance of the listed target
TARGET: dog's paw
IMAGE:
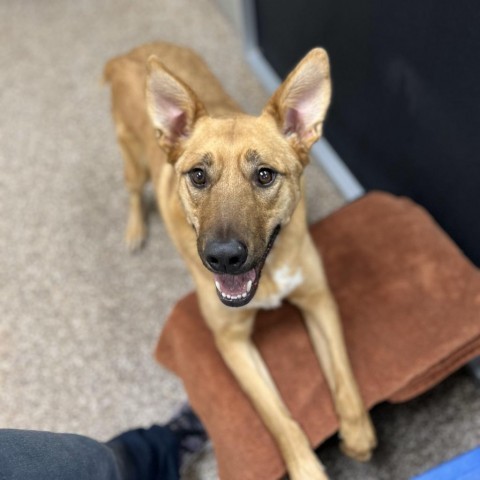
(135, 233)
(358, 437)
(308, 469)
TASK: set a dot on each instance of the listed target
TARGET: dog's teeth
(232, 297)
(249, 285)
(217, 284)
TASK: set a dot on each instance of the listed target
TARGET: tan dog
(230, 190)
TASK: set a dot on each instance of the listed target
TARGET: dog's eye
(265, 177)
(198, 177)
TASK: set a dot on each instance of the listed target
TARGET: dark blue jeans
(135, 455)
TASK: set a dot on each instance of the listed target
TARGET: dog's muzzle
(227, 259)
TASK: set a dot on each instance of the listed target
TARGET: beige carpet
(79, 315)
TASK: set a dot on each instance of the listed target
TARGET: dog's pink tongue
(235, 285)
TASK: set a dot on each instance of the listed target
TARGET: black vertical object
(405, 115)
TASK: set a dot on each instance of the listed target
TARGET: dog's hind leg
(136, 175)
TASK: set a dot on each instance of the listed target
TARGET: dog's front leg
(233, 340)
(322, 320)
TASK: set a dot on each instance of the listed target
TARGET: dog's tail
(108, 71)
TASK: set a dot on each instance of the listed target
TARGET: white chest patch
(286, 282)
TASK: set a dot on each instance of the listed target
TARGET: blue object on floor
(464, 467)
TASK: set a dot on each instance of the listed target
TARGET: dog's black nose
(225, 256)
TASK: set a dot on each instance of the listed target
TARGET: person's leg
(155, 453)
(26, 455)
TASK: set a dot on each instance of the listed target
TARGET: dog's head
(239, 176)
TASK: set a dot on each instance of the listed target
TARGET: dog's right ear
(173, 107)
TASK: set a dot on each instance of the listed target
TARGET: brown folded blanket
(410, 306)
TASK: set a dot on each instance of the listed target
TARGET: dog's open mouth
(238, 290)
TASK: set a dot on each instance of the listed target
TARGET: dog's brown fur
(230, 148)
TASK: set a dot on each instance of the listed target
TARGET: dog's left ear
(300, 104)
(172, 105)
